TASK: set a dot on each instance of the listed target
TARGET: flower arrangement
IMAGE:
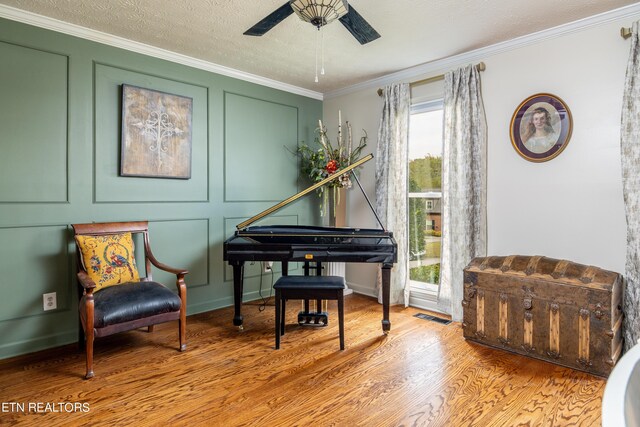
(326, 160)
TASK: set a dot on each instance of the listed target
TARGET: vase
(337, 206)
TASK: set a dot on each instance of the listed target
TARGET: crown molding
(430, 68)
(441, 66)
(36, 20)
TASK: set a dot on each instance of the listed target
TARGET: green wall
(60, 118)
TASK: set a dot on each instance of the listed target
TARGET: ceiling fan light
(319, 12)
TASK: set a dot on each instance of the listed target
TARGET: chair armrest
(85, 281)
(161, 266)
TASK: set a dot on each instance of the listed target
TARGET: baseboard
(69, 337)
(225, 302)
(37, 344)
(362, 290)
(417, 298)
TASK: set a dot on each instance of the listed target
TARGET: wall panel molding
(108, 185)
(37, 261)
(35, 82)
(261, 137)
(185, 216)
(182, 241)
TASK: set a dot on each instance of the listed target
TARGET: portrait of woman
(540, 127)
(538, 134)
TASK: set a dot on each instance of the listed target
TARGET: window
(425, 202)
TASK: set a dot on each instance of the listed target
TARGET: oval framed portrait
(541, 127)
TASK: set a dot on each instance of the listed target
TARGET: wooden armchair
(113, 298)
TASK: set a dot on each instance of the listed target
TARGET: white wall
(570, 207)
(362, 110)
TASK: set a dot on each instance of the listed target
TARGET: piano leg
(237, 293)
(386, 291)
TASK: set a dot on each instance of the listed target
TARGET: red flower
(331, 166)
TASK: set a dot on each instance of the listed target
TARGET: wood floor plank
(422, 374)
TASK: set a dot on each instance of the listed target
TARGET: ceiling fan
(319, 13)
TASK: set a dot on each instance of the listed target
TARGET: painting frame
(156, 138)
(541, 127)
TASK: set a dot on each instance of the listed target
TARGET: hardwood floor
(422, 373)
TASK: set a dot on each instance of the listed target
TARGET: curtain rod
(479, 66)
(625, 32)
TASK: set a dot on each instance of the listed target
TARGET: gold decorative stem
(282, 204)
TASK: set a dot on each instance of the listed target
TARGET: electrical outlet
(267, 266)
(49, 301)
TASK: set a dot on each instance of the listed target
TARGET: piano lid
(315, 186)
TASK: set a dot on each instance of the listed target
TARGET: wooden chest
(555, 310)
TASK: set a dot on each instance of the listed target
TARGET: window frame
(424, 295)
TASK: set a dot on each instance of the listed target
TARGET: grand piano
(310, 244)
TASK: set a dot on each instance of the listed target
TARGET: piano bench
(308, 288)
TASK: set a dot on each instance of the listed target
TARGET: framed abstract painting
(156, 134)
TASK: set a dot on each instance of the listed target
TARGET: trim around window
(425, 287)
(427, 106)
(424, 296)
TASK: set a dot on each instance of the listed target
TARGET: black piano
(310, 244)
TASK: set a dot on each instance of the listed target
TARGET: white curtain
(391, 183)
(630, 150)
(464, 188)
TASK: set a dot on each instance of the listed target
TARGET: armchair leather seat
(132, 301)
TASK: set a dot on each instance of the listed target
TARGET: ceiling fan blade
(356, 24)
(273, 19)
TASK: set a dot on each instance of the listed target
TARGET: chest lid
(548, 269)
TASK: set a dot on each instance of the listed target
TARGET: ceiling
(413, 32)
